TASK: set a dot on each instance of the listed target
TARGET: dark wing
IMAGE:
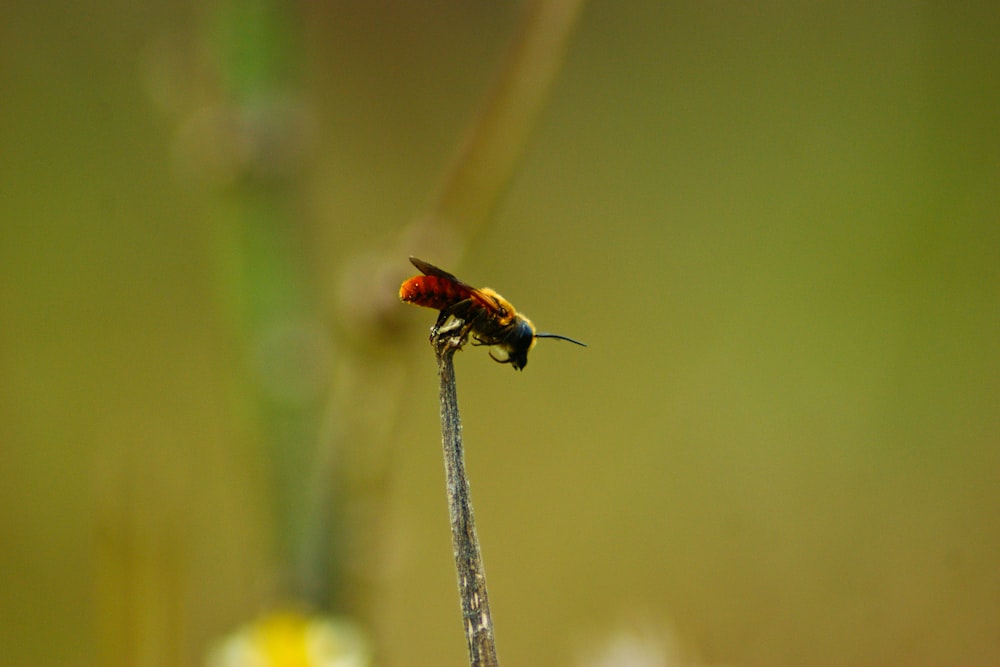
(429, 269)
(475, 294)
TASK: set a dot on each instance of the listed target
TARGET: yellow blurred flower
(293, 639)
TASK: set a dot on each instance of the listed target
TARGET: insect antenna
(552, 335)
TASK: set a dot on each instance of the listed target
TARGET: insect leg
(458, 311)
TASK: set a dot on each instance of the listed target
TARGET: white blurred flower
(645, 641)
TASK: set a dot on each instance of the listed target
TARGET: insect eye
(521, 339)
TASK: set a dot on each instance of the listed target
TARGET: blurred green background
(775, 224)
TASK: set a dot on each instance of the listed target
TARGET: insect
(490, 318)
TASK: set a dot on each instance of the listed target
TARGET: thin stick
(468, 560)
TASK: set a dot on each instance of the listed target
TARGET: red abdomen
(433, 292)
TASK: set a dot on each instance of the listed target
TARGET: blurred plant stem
(240, 132)
(495, 140)
(492, 144)
(143, 549)
(268, 288)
